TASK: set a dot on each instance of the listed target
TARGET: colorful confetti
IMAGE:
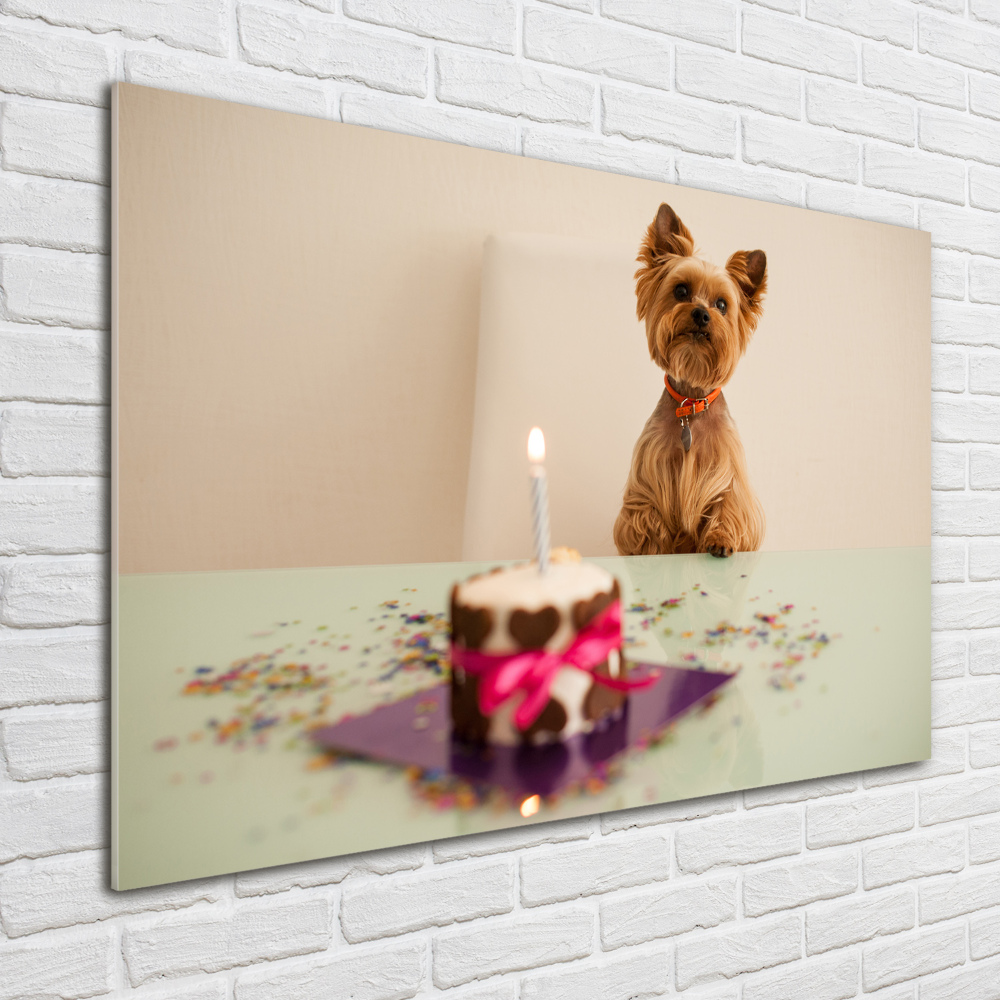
(780, 647)
(654, 614)
(296, 686)
(425, 649)
(281, 692)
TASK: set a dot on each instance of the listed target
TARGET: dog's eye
(720, 304)
(681, 292)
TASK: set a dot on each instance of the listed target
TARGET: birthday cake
(536, 656)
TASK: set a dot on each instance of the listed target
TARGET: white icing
(569, 688)
(502, 730)
(614, 663)
(524, 587)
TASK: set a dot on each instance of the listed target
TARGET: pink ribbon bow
(502, 674)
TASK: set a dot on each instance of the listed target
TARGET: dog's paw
(719, 551)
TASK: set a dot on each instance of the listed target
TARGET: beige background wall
(297, 313)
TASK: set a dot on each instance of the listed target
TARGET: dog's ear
(748, 268)
(668, 236)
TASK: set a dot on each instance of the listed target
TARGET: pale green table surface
(186, 804)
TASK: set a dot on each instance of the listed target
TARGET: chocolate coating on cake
(551, 720)
(585, 611)
(601, 699)
(533, 629)
(469, 626)
(468, 722)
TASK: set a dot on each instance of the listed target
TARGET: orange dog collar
(688, 405)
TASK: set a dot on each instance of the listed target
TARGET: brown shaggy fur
(699, 500)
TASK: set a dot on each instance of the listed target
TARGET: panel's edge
(113, 513)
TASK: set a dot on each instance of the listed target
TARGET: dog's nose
(700, 317)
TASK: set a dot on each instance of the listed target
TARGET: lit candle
(539, 497)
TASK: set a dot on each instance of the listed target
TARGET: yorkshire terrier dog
(688, 489)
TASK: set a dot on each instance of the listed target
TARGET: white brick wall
(885, 884)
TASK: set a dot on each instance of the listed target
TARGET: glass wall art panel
(456, 491)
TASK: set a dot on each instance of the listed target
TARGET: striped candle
(539, 498)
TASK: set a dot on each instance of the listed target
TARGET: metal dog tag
(686, 435)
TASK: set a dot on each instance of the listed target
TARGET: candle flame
(536, 445)
(531, 804)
